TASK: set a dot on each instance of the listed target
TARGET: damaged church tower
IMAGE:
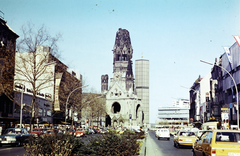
(123, 105)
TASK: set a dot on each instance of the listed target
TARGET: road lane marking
(6, 149)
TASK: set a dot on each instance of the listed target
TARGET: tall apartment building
(142, 86)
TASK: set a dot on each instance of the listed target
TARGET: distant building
(173, 117)
(181, 103)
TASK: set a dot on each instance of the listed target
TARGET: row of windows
(44, 112)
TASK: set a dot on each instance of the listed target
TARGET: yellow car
(184, 138)
(218, 143)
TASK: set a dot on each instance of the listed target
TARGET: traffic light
(87, 121)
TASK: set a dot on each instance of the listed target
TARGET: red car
(36, 132)
(80, 132)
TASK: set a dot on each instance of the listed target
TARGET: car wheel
(168, 139)
(158, 138)
(0, 145)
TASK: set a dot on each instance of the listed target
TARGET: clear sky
(174, 35)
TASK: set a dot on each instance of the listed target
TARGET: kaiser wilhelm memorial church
(127, 98)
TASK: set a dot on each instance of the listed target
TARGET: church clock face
(117, 76)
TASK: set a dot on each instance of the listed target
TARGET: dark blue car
(14, 137)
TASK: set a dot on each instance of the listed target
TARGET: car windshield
(34, 130)
(228, 137)
(49, 132)
(13, 131)
(187, 134)
(164, 130)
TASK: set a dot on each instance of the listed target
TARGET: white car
(163, 133)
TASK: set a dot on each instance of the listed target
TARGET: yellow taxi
(184, 138)
(218, 143)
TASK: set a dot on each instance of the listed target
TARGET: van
(163, 133)
(209, 125)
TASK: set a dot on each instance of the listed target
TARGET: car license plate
(233, 154)
(188, 139)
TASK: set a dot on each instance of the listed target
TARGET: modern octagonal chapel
(127, 99)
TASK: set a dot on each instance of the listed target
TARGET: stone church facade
(124, 107)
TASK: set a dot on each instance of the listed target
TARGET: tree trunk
(33, 113)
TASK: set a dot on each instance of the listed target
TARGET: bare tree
(33, 64)
(94, 106)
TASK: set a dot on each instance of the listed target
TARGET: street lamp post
(234, 85)
(21, 109)
(20, 88)
(67, 102)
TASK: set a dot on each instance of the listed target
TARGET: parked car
(48, 133)
(95, 130)
(184, 138)
(91, 131)
(80, 132)
(98, 130)
(71, 132)
(36, 132)
(173, 132)
(14, 137)
(218, 142)
(163, 133)
(120, 131)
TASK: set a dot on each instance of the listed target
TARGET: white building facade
(44, 85)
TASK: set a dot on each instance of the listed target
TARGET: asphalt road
(166, 147)
(12, 151)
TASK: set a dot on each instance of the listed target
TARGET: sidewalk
(149, 147)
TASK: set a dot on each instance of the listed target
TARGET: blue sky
(174, 35)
